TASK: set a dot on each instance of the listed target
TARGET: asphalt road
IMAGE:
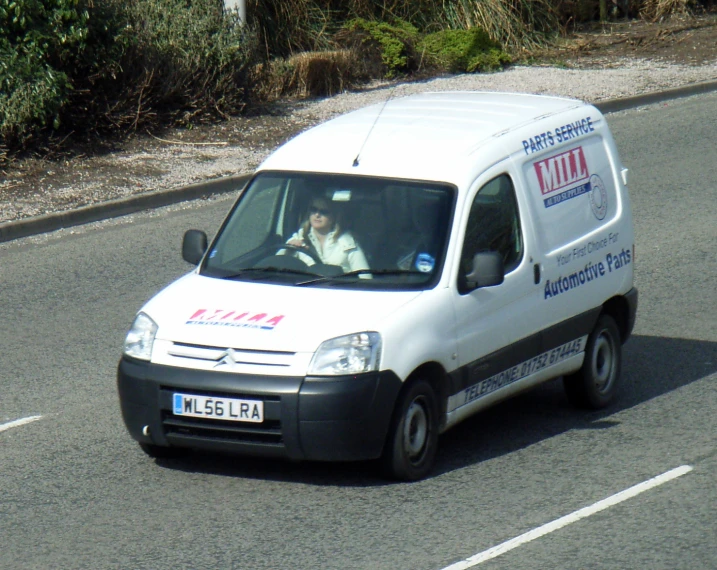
(76, 491)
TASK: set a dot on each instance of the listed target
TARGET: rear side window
(494, 225)
(572, 190)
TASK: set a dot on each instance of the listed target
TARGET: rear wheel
(412, 439)
(595, 385)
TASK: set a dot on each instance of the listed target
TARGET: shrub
(118, 65)
(516, 24)
(459, 51)
(289, 27)
(159, 61)
(393, 45)
(39, 41)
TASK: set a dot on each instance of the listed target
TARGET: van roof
(425, 136)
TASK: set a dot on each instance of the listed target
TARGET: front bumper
(312, 418)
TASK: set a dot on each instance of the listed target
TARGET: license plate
(232, 409)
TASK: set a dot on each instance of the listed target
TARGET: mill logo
(563, 176)
(239, 319)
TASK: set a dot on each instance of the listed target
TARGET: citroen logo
(227, 358)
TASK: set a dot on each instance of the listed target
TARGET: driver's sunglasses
(320, 211)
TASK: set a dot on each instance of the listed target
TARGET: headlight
(350, 354)
(140, 338)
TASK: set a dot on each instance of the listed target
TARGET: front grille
(218, 394)
(268, 432)
(231, 356)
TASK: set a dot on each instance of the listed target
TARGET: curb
(625, 103)
(119, 207)
(122, 206)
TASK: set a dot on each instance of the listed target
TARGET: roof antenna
(356, 160)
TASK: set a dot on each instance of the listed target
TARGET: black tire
(595, 385)
(161, 452)
(412, 439)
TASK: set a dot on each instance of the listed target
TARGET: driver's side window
(245, 237)
(494, 225)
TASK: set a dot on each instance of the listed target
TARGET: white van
(387, 274)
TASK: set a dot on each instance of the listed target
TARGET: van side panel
(572, 192)
(519, 366)
(421, 331)
(581, 212)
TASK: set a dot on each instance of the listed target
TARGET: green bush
(39, 42)
(458, 51)
(402, 49)
(118, 66)
(288, 27)
(394, 43)
(291, 26)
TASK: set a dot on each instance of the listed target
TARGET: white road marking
(568, 519)
(20, 422)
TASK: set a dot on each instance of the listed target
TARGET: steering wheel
(305, 250)
(287, 261)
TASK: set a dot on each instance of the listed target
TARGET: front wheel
(595, 385)
(412, 439)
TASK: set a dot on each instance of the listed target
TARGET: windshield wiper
(359, 272)
(265, 270)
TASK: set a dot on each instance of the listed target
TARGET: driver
(322, 235)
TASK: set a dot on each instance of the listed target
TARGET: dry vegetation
(307, 74)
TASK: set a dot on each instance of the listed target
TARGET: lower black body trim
(523, 350)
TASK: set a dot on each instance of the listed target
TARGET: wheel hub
(415, 431)
(603, 363)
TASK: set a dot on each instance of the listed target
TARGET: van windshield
(319, 230)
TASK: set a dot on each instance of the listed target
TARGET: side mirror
(194, 245)
(488, 270)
